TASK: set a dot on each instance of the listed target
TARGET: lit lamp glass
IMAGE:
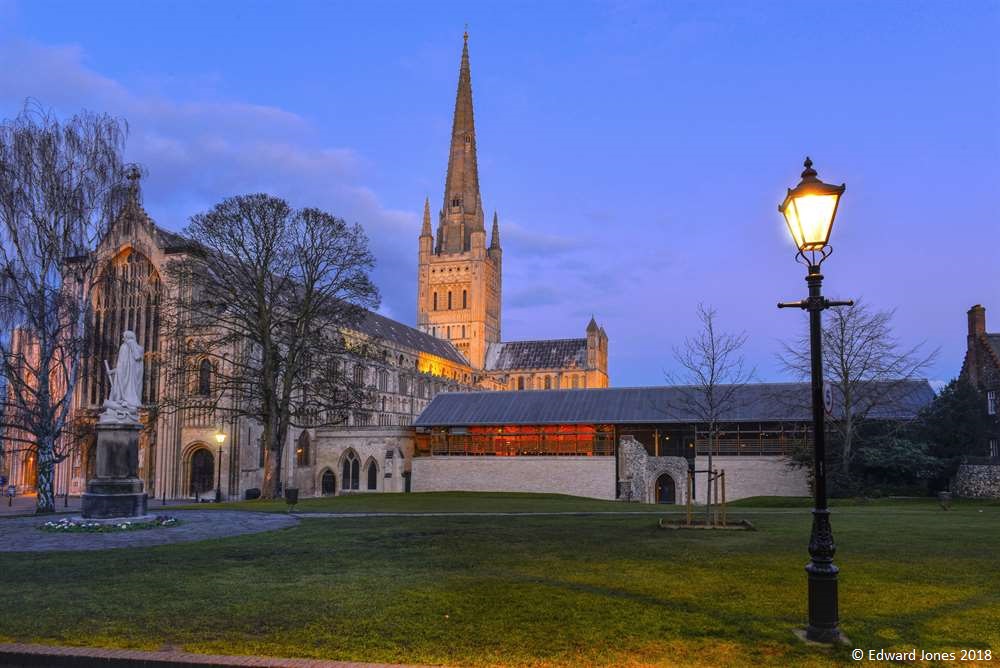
(220, 437)
(809, 209)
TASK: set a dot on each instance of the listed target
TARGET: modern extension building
(631, 443)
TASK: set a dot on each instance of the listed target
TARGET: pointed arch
(303, 447)
(350, 468)
(371, 472)
(327, 482)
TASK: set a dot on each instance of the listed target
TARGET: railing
(486, 446)
(750, 447)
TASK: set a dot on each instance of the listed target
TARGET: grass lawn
(560, 591)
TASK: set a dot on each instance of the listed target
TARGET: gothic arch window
(351, 471)
(205, 378)
(127, 297)
(302, 449)
(372, 474)
(465, 299)
(383, 404)
(359, 374)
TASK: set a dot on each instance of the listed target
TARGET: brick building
(981, 367)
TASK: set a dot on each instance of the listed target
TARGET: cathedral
(202, 452)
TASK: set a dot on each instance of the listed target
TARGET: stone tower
(458, 281)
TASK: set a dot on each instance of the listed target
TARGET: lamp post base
(838, 639)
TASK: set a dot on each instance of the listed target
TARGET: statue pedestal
(117, 489)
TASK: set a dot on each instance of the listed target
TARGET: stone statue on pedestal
(126, 383)
(117, 490)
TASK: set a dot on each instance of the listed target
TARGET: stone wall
(977, 481)
(638, 473)
(753, 476)
(580, 476)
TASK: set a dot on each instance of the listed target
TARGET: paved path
(24, 504)
(16, 654)
(21, 534)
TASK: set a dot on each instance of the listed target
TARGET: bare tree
(61, 183)
(265, 298)
(863, 362)
(715, 370)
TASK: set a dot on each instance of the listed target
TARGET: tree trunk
(45, 476)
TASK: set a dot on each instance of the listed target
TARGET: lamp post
(220, 438)
(809, 210)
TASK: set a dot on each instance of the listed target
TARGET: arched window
(383, 404)
(205, 378)
(435, 301)
(372, 474)
(351, 472)
(302, 450)
(359, 374)
(520, 382)
(465, 299)
(127, 297)
(548, 382)
(449, 300)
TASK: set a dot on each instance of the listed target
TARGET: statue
(126, 383)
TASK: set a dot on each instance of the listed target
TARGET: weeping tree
(866, 366)
(265, 298)
(61, 182)
(714, 369)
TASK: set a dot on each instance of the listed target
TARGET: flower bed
(75, 525)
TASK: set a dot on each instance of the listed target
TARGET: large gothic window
(351, 471)
(372, 474)
(127, 297)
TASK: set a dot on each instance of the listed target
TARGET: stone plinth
(117, 490)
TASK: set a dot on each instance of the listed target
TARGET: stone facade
(639, 474)
(977, 481)
(754, 476)
(579, 476)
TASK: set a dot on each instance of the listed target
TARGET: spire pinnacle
(495, 240)
(425, 231)
(462, 202)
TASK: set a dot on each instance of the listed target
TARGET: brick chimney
(977, 320)
(977, 326)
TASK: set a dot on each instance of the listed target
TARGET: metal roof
(548, 354)
(764, 402)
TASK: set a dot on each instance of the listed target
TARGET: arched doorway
(202, 471)
(328, 483)
(665, 489)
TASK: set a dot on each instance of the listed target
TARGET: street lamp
(220, 438)
(809, 209)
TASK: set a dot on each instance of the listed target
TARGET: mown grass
(524, 591)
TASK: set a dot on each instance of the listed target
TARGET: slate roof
(380, 327)
(994, 341)
(550, 354)
(764, 402)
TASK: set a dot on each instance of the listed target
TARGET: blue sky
(636, 152)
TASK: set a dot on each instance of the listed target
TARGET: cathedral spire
(495, 240)
(425, 231)
(462, 202)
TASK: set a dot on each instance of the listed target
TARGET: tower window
(465, 299)
(991, 402)
(456, 201)
(449, 300)
(435, 301)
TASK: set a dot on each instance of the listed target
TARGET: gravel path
(21, 534)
